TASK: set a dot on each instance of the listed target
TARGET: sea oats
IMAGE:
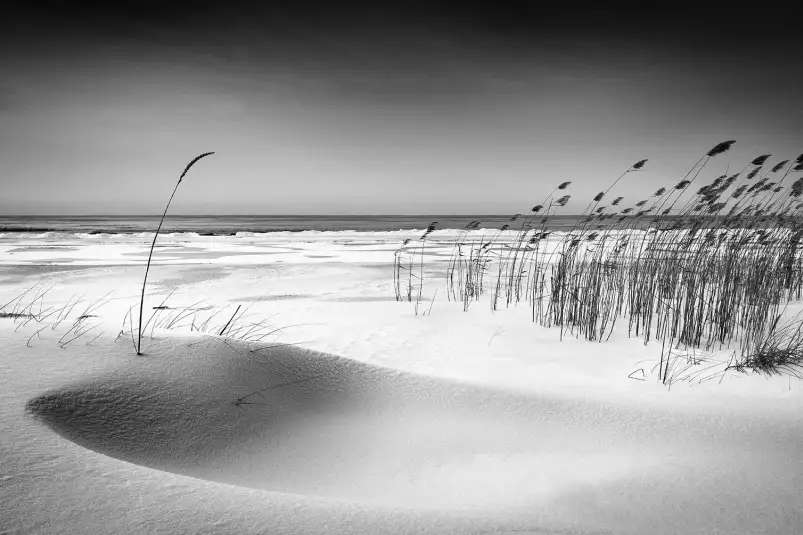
(720, 148)
(779, 166)
(639, 164)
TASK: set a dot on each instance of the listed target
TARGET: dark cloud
(344, 94)
(502, 20)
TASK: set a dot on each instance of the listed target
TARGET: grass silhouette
(153, 244)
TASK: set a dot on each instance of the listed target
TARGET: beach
(327, 406)
(399, 268)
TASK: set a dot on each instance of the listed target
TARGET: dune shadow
(292, 420)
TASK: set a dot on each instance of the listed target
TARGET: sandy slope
(381, 422)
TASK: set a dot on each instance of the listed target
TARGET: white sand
(454, 422)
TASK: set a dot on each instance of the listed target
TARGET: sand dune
(451, 423)
(328, 427)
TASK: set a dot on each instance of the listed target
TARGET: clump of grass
(702, 269)
(423, 240)
(777, 350)
(22, 309)
(417, 249)
(397, 269)
(28, 308)
(153, 244)
(241, 324)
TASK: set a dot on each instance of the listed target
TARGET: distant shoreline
(231, 225)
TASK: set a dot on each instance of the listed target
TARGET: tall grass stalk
(153, 244)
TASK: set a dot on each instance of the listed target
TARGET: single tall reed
(153, 244)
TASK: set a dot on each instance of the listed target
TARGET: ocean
(228, 225)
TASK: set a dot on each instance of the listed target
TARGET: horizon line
(291, 215)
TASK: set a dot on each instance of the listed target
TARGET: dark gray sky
(407, 108)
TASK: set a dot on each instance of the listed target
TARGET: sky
(383, 108)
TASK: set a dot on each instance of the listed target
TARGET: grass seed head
(760, 160)
(639, 164)
(716, 207)
(779, 166)
(720, 148)
(682, 184)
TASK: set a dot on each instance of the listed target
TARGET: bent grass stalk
(153, 244)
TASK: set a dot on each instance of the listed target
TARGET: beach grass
(153, 244)
(705, 270)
